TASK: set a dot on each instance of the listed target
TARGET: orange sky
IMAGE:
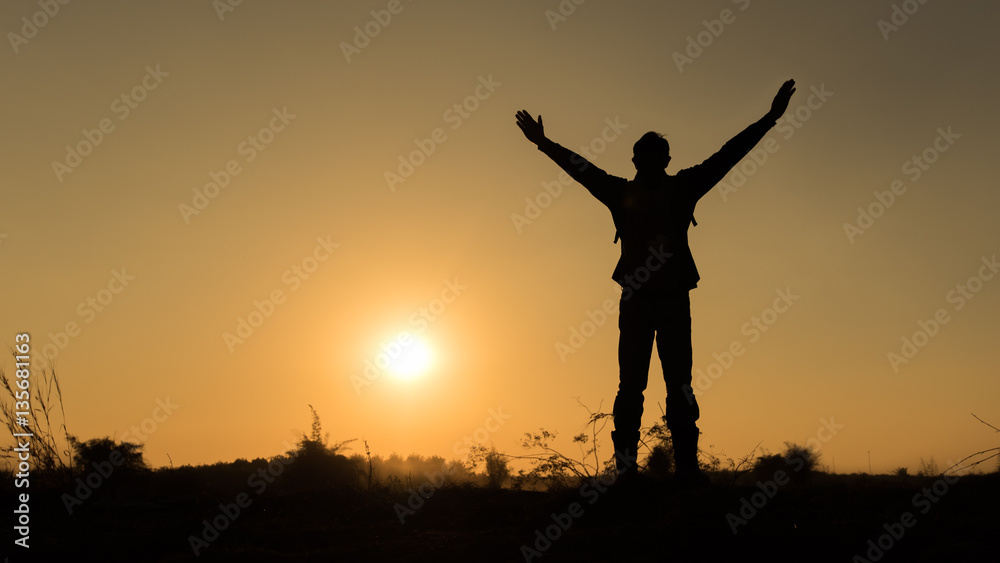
(121, 252)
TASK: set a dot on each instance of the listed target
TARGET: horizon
(309, 204)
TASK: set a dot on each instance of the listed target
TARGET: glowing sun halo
(414, 360)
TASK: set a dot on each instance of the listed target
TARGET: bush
(803, 460)
(101, 450)
(769, 464)
(497, 471)
(660, 463)
(123, 471)
(798, 462)
(928, 468)
(314, 464)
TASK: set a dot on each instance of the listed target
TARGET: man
(656, 271)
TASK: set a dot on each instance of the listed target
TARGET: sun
(414, 360)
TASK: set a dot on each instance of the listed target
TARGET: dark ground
(829, 518)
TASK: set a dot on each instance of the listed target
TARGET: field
(102, 502)
(171, 514)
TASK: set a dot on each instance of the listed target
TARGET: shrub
(803, 460)
(315, 464)
(101, 450)
(497, 471)
(928, 468)
(798, 462)
(660, 463)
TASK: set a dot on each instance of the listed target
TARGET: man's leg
(635, 346)
(673, 344)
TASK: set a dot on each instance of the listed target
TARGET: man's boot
(687, 470)
(626, 450)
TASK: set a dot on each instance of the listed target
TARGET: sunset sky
(377, 193)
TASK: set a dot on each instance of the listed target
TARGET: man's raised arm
(713, 170)
(601, 184)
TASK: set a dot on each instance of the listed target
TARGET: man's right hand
(533, 130)
(780, 103)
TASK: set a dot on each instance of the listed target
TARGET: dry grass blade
(38, 403)
(970, 456)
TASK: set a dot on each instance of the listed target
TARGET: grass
(829, 518)
(40, 397)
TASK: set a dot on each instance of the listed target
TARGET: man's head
(651, 153)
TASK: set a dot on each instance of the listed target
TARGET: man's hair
(651, 144)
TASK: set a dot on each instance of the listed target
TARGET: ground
(827, 518)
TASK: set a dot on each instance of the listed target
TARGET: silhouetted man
(656, 271)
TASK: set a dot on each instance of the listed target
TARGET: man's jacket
(652, 212)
